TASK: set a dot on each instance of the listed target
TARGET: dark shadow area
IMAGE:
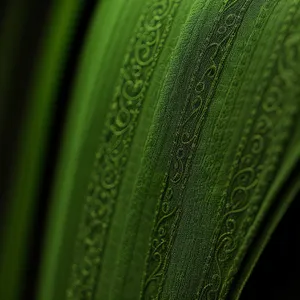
(276, 275)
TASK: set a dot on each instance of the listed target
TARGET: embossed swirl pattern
(200, 92)
(256, 160)
(140, 61)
